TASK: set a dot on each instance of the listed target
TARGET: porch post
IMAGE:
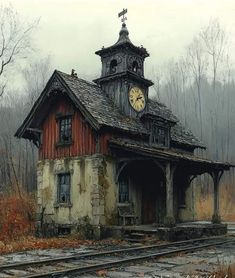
(216, 175)
(170, 219)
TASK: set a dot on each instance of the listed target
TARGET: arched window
(113, 66)
(135, 67)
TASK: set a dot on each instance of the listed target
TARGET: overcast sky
(72, 30)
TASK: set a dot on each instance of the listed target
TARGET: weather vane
(122, 13)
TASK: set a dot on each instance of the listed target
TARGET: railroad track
(90, 262)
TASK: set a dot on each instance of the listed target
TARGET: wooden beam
(170, 169)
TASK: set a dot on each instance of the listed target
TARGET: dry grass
(225, 271)
(32, 243)
(16, 215)
(204, 204)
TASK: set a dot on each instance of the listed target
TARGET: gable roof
(101, 112)
(100, 106)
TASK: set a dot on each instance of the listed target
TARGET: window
(113, 66)
(64, 185)
(65, 130)
(135, 67)
(123, 189)
(160, 135)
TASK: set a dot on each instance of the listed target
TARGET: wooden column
(216, 175)
(170, 219)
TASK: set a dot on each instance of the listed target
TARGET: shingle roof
(147, 149)
(181, 135)
(100, 106)
(100, 109)
(156, 108)
(106, 114)
(123, 40)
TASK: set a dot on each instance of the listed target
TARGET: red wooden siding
(104, 142)
(83, 136)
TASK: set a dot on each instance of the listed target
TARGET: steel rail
(99, 266)
(96, 254)
(91, 268)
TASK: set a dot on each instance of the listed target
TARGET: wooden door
(149, 196)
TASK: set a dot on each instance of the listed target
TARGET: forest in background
(198, 87)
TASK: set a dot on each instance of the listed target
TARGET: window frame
(154, 138)
(60, 118)
(113, 66)
(67, 201)
(135, 67)
(123, 180)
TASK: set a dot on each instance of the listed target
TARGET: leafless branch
(15, 39)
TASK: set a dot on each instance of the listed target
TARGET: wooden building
(106, 143)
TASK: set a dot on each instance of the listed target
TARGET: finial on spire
(122, 13)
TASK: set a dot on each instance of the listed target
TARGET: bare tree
(197, 61)
(157, 83)
(15, 41)
(35, 76)
(215, 41)
(18, 157)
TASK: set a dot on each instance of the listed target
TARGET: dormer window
(135, 67)
(113, 66)
(159, 135)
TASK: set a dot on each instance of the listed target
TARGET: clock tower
(122, 76)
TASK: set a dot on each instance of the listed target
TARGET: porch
(155, 181)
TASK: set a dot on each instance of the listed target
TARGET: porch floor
(182, 231)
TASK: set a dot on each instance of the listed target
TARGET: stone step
(137, 235)
(135, 240)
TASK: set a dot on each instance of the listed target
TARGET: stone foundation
(190, 232)
(176, 233)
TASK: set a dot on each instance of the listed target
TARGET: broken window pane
(65, 131)
(64, 184)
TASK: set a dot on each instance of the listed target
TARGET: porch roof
(200, 164)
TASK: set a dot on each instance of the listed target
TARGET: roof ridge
(77, 78)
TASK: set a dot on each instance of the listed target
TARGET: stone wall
(93, 191)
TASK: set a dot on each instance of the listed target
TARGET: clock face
(137, 99)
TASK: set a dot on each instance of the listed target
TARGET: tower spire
(123, 34)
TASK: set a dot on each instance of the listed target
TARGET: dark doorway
(144, 181)
(153, 194)
(149, 203)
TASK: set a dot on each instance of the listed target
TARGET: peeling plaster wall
(107, 180)
(93, 190)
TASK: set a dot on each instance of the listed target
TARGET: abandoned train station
(108, 154)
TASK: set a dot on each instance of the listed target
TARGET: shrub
(16, 216)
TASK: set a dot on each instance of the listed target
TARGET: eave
(106, 50)
(127, 74)
(202, 165)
